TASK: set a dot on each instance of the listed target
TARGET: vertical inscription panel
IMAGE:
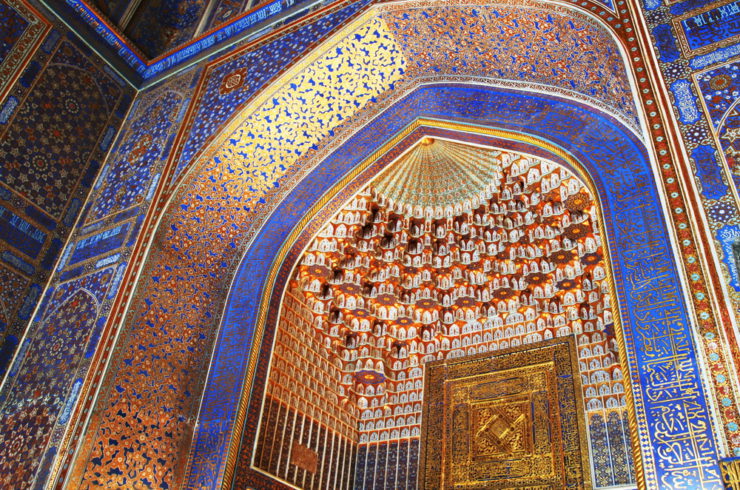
(512, 419)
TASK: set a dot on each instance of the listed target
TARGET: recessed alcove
(454, 249)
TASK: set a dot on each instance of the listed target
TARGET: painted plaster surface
(458, 52)
(44, 177)
(302, 113)
(112, 9)
(14, 25)
(160, 25)
(125, 182)
(168, 34)
(225, 10)
(421, 266)
(36, 398)
(719, 88)
(124, 190)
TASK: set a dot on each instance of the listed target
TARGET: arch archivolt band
(608, 208)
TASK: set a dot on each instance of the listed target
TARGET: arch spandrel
(219, 208)
(230, 87)
(563, 50)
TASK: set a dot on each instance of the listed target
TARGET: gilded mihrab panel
(511, 420)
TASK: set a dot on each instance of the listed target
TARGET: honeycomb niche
(453, 250)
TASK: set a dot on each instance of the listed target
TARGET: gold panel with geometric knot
(513, 419)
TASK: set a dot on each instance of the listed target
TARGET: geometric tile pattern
(57, 124)
(11, 283)
(162, 29)
(130, 170)
(184, 241)
(22, 29)
(91, 242)
(113, 196)
(44, 152)
(720, 90)
(13, 26)
(186, 28)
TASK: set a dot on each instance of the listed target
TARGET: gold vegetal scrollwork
(730, 468)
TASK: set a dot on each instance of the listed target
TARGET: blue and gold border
(24, 47)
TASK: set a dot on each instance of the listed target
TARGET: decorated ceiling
(148, 40)
(174, 235)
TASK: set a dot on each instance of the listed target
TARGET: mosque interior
(370, 244)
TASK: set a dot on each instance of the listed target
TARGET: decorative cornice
(143, 69)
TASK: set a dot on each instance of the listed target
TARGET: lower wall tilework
(612, 464)
(388, 465)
